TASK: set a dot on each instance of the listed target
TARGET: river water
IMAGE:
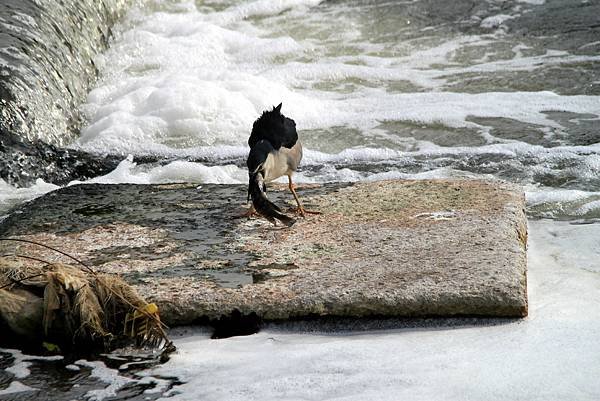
(378, 89)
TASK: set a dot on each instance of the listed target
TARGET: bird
(275, 151)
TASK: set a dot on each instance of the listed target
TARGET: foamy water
(186, 77)
(407, 97)
(404, 98)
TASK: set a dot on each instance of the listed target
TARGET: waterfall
(47, 51)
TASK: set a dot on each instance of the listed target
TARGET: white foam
(534, 2)
(110, 376)
(20, 369)
(518, 63)
(495, 21)
(160, 385)
(183, 80)
(362, 112)
(586, 156)
(11, 196)
(453, 109)
(588, 208)
(584, 162)
(22, 362)
(590, 44)
(173, 81)
(538, 197)
(259, 8)
(16, 387)
(556, 203)
(128, 172)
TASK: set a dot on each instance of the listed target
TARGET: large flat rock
(388, 248)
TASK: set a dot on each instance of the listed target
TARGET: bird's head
(273, 124)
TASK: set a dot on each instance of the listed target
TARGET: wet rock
(23, 161)
(389, 248)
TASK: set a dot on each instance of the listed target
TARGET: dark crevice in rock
(235, 324)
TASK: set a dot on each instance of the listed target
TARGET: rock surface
(388, 248)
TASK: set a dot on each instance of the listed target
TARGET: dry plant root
(75, 307)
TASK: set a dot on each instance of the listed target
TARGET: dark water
(57, 378)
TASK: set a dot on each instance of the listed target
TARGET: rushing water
(46, 63)
(379, 89)
(46, 68)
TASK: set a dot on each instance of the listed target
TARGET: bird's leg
(300, 208)
(291, 186)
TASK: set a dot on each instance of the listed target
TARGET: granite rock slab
(399, 248)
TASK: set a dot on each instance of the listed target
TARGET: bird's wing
(289, 135)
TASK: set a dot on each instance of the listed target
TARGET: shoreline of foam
(542, 201)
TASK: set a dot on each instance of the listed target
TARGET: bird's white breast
(282, 162)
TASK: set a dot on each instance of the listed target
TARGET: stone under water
(388, 248)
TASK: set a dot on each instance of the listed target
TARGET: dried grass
(81, 305)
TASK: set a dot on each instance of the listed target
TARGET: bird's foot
(302, 211)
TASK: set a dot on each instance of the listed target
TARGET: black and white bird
(275, 151)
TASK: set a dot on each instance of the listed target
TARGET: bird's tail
(262, 204)
(256, 187)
